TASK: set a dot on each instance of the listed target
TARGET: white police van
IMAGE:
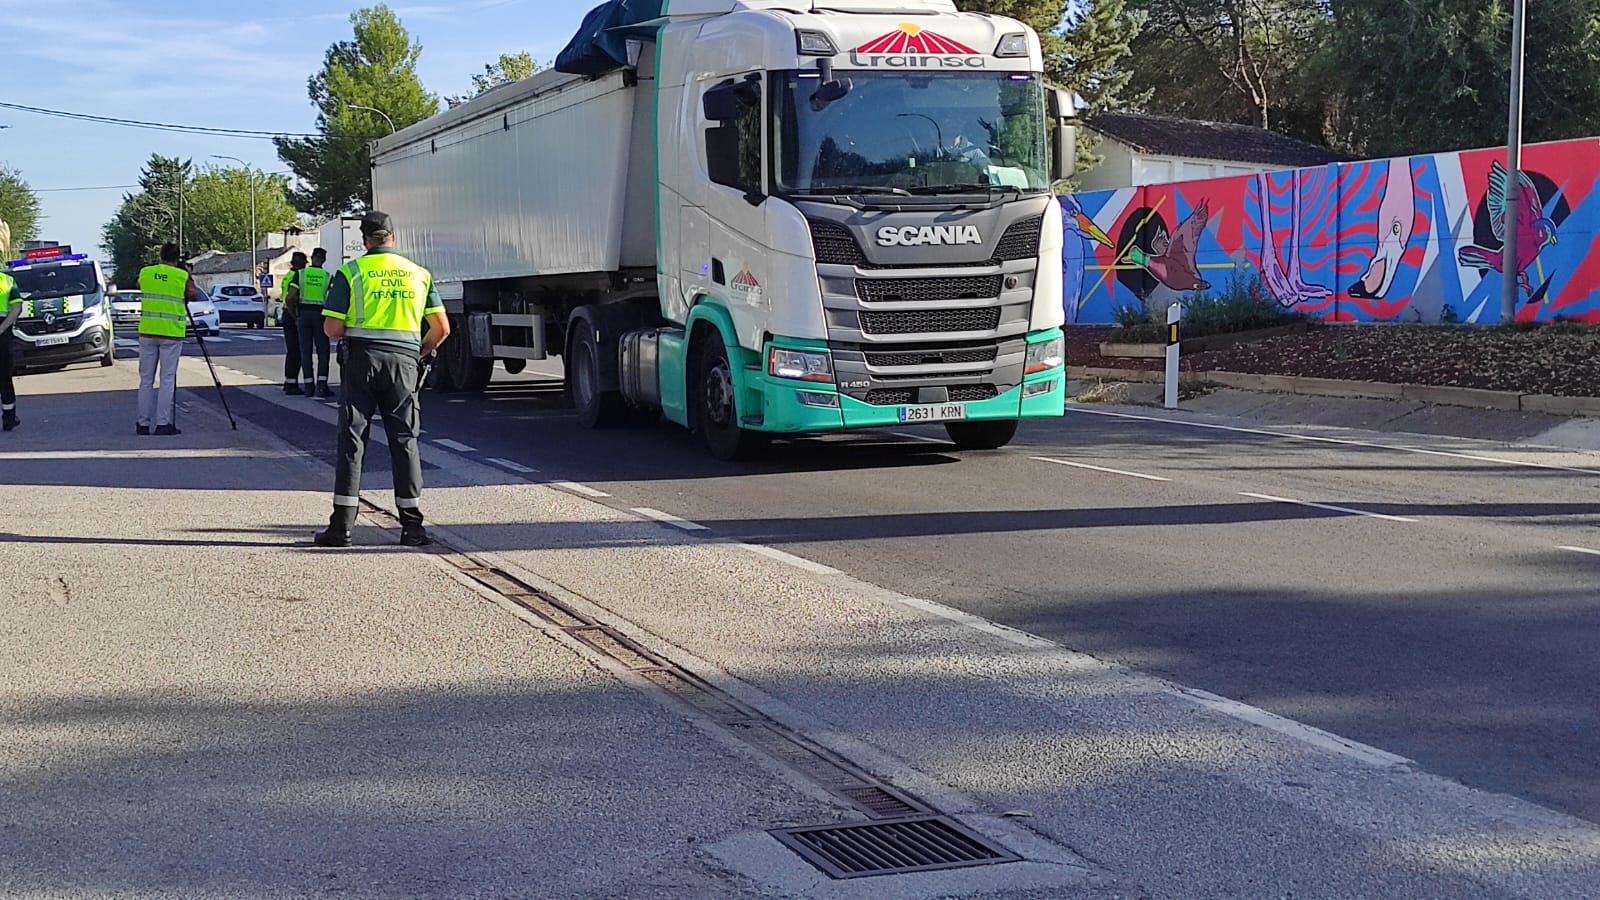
(65, 317)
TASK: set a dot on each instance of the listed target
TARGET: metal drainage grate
(892, 847)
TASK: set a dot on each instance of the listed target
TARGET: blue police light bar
(36, 260)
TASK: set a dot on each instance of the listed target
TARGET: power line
(155, 126)
(108, 187)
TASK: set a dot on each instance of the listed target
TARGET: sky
(204, 63)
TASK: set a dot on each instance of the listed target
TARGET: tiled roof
(1211, 140)
(236, 262)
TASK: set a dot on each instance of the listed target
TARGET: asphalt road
(1436, 605)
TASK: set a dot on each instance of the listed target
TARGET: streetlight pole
(1510, 264)
(380, 112)
(254, 275)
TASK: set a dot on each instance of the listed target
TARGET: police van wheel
(596, 408)
(981, 435)
(109, 360)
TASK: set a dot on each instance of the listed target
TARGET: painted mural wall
(1415, 239)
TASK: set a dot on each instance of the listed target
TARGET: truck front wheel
(719, 409)
(981, 435)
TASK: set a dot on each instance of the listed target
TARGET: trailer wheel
(458, 370)
(596, 408)
(719, 409)
(982, 435)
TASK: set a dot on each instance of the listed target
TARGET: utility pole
(1510, 264)
(255, 277)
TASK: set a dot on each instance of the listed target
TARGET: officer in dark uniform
(376, 307)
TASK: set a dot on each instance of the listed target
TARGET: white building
(1142, 149)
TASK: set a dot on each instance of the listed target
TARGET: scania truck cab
(759, 218)
(65, 319)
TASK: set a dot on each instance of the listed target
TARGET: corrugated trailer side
(540, 178)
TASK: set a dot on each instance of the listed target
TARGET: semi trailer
(757, 218)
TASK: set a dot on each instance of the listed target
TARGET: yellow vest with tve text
(162, 312)
(388, 294)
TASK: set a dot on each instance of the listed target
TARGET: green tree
(509, 68)
(217, 209)
(1431, 75)
(19, 209)
(378, 70)
(148, 217)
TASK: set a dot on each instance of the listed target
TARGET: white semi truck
(757, 218)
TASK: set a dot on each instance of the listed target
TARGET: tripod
(221, 395)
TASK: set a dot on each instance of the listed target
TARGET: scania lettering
(757, 219)
(65, 317)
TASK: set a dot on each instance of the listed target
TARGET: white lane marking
(1312, 735)
(517, 467)
(579, 488)
(331, 405)
(1079, 465)
(455, 445)
(669, 519)
(1327, 506)
(801, 563)
(1347, 442)
(126, 343)
(254, 337)
(215, 339)
(1584, 550)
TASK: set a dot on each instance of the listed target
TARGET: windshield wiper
(939, 189)
(838, 189)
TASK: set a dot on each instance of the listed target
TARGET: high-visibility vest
(314, 285)
(388, 294)
(162, 312)
(7, 286)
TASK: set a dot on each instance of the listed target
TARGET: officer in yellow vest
(310, 288)
(376, 307)
(13, 304)
(166, 291)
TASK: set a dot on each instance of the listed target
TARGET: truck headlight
(800, 365)
(1043, 357)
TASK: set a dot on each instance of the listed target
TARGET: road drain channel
(913, 835)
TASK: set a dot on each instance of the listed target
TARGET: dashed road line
(254, 337)
(576, 488)
(669, 519)
(800, 563)
(517, 467)
(1584, 550)
(1346, 442)
(1109, 471)
(455, 445)
(1327, 506)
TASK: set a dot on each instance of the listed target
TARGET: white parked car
(204, 314)
(240, 303)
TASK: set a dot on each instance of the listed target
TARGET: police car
(65, 317)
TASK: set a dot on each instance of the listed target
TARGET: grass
(1241, 306)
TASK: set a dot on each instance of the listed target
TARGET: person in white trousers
(166, 290)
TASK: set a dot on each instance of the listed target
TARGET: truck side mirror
(722, 103)
(1063, 116)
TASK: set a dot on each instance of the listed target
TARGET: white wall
(1126, 167)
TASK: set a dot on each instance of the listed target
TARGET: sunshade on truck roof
(601, 43)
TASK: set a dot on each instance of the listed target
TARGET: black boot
(292, 388)
(337, 534)
(323, 391)
(415, 536)
(8, 419)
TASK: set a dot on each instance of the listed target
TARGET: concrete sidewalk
(194, 703)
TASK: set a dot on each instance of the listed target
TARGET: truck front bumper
(791, 407)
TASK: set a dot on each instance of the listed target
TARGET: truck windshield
(917, 133)
(46, 282)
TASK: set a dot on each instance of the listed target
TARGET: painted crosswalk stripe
(576, 488)
(669, 519)
(1108, 471)
(1584, 550)
(455, 445)
(254, 337)
(517, 467)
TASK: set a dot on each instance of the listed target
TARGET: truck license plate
(55, 341)
(944, 412)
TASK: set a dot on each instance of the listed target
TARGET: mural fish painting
(1391, 240)
(1397, 215)
(1535, 232)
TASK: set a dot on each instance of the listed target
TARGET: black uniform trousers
(8, 389)
(291, 348)
(382, 380)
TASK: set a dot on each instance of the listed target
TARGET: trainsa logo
(913, 47)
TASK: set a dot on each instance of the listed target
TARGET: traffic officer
(11, 300)
(311, 288)
(291, 325)
(166, 291)
(376, 307)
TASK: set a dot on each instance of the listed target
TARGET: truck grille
(37, 327)
(835, 245)
(884, 359)
(961, 393)
(932, 321)
(928, 290)
(1021, 241)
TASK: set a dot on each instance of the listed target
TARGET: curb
(1474, 398)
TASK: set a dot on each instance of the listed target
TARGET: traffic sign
(266, 281)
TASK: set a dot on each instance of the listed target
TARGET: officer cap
(377, 224)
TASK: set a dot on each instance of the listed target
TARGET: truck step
(751, 421)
